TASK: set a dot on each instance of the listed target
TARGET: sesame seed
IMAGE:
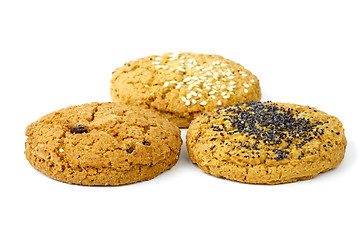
(210, 77)
(61, 150)
(244, 75)
(187, 79)
(246, 90)
(147, 86)
(219, 102)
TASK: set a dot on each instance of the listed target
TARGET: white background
(59, 53)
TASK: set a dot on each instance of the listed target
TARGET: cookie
(182, 85)
(266, 143)
(102, 144)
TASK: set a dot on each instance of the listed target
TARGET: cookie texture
(182, 85)
(102, 144)
(266, 143)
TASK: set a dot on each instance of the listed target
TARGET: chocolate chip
(79, 129)
(130, 150)
(146, 143)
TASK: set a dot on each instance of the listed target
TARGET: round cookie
(266, 143)
(102, 144)
(182, 85)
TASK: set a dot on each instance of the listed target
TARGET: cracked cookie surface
(182, 85)
(102, 144)
(266, 143)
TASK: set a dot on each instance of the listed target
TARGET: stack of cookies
(230, 133)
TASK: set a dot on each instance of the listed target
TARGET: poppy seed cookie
(266, 143)
(102, 144)
(182, 85)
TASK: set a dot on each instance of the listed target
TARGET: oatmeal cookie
(182, 85)
(266, 143)
(102, 144)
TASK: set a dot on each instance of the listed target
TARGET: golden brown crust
(182, 85)
(123, 144)
(275, 143)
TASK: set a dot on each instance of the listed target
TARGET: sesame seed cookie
(182, 85)
(102, 144)
(266, 143)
